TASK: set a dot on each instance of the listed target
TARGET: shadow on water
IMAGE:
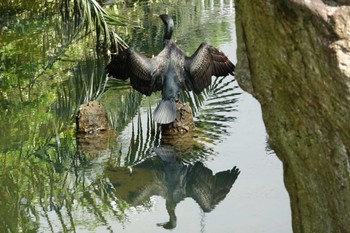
(52, 180)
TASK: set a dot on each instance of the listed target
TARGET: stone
(183, 122)
(92, 117)
(180, 132)
(293, 56)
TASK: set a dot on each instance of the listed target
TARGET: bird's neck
(167, 35)
(168, 30)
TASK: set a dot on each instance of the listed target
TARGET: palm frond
(211, 108)
(90, 15)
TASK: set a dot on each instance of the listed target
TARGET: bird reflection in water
(166, 175)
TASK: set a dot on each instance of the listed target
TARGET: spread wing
(144, 72)
(203, 64)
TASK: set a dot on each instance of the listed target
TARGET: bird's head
(169, 25)
(165, 18)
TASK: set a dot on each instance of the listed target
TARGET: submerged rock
(92, 117)
(294, 57)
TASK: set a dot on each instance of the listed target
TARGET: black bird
(170, 71)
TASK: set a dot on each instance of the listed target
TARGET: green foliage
(52, 58)
(90, 15)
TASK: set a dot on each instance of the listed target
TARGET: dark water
(222, 179)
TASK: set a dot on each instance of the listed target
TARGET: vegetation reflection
(52, 60)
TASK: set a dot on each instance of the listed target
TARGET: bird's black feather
(170, 71)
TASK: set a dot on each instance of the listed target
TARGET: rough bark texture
(294, 57)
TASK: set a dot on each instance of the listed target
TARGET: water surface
(224, 180)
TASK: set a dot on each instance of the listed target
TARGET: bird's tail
(165, 112)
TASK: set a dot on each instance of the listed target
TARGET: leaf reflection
(51, 181)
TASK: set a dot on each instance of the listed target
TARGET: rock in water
(179, 133)
(92, 117)
(183, 122)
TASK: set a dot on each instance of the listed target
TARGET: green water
(126, 179)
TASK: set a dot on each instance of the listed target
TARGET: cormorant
(170, 71)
